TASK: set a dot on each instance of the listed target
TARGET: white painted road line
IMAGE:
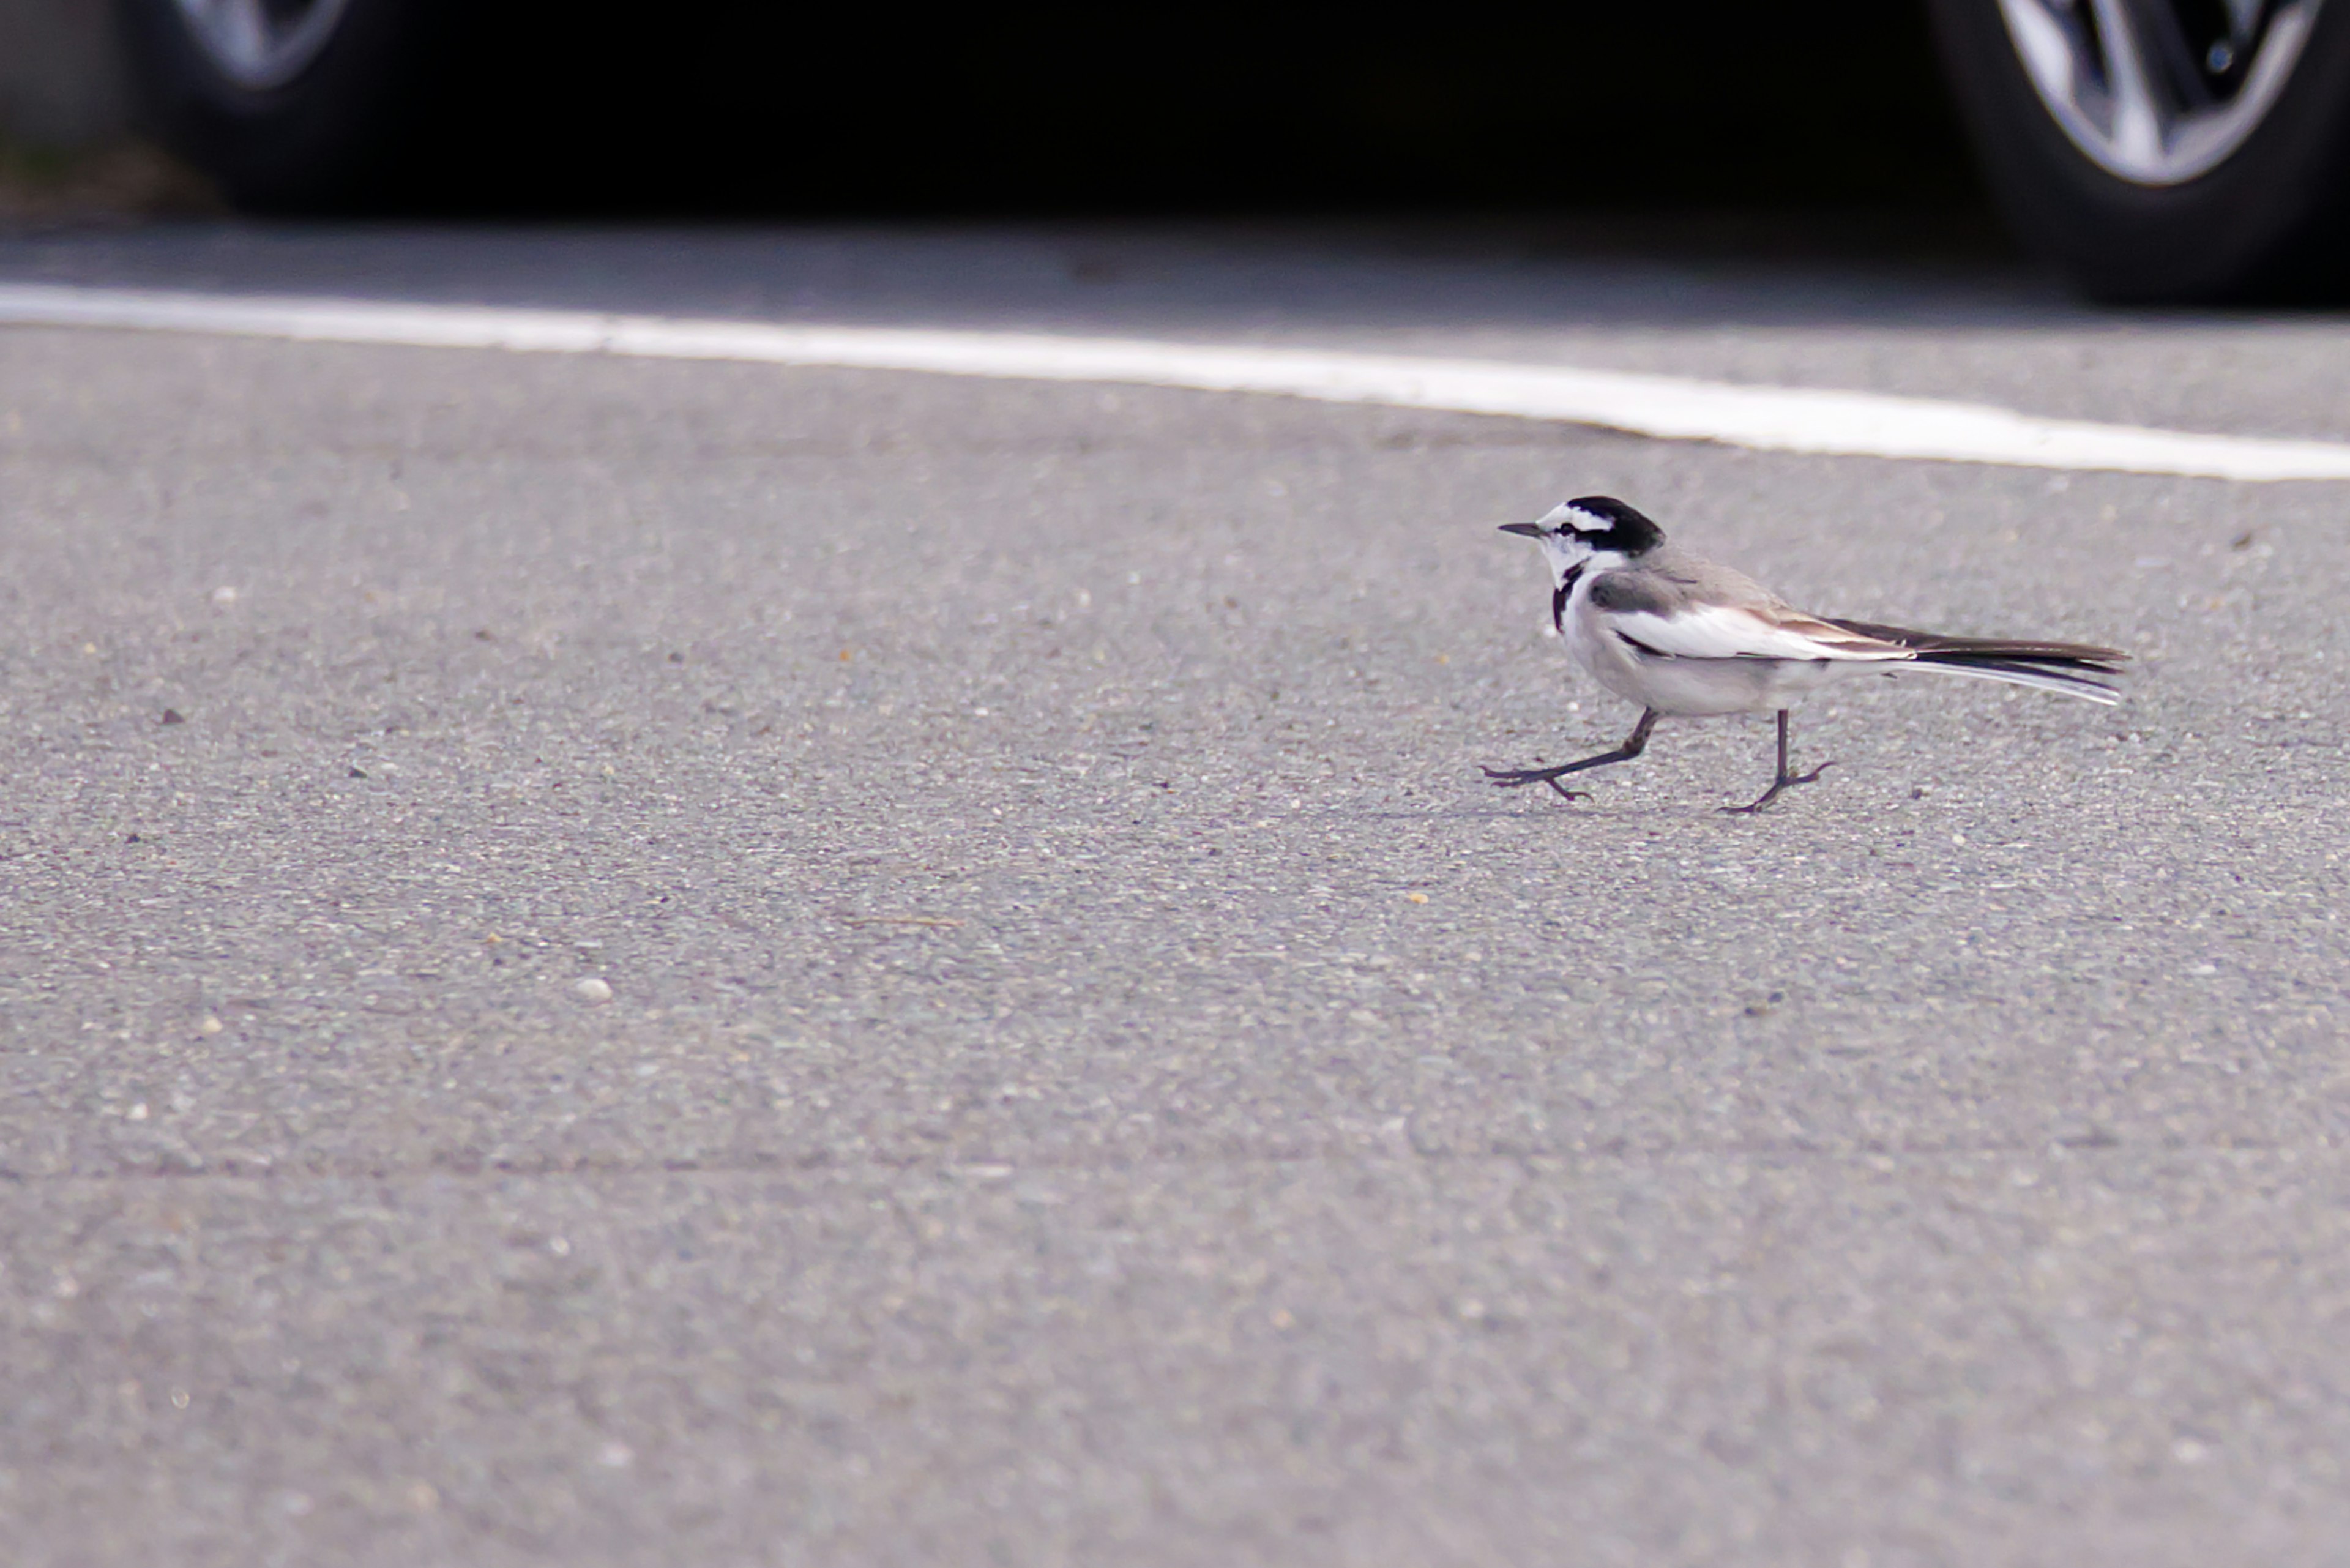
(1767, 419)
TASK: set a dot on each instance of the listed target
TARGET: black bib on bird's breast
(1560, 595)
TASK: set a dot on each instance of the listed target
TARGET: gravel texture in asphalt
(663, 962)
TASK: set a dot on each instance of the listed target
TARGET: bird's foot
(1785, 782)
(1515, 778)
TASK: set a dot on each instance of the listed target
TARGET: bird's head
(1589, 530)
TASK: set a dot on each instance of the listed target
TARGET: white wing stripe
(1721, 631)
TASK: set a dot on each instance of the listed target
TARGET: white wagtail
(1686, 638)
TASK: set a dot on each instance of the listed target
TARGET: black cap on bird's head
(1597, 522)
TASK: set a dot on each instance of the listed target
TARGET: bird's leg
(1634, 744)
(1783, 779)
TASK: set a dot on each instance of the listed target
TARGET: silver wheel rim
(2143, 91)
(261, 44)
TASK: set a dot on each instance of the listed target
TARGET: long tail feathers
(2017, 672)
(2067, 668)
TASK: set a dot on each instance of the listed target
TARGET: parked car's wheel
(291, 105)
(2164, 150)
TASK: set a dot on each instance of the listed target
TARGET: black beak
(1530, 530)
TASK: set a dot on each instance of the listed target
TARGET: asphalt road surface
(636, 962)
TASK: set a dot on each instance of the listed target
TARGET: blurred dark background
(1147, 108)
(2228, 181)
(524, 108)
(1114, 110)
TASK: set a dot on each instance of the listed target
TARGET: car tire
(2269, 220)
(291, 122)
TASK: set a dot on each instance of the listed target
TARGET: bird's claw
(1773, 793)
(1515, 778)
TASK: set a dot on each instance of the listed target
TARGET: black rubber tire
(2270, 223)
(335, 139)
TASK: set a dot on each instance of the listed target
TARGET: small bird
(1686, 638)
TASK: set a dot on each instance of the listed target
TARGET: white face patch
(1576, 519)
(1567, 554)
